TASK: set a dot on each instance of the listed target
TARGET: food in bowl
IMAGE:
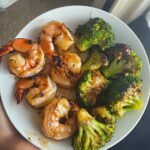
(107, 83)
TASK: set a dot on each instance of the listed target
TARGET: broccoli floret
(89, 86)
(91, 134)
(103, 114)
(121, 107)
(95, 61)
(122, 95)
(122, 59)
(94, 32)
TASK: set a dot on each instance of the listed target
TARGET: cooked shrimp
(41, 90)
(55, 35)
(59, 119)
(24, 66)
(67, 73)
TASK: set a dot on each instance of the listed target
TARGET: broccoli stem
(91, 134)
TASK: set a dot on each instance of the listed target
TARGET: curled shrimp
(55, 35)
(40, 90)
(27, 61)
(67, 73)
(59, 119)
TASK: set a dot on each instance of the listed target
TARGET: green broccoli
(122, 59)
(89, 86)
(122, 95)
(95, 61)
(91, 134)
(103, 114)
(121, 107)
(94, 32)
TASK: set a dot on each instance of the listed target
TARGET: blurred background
(15, 14)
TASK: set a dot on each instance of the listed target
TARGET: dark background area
(14, 18)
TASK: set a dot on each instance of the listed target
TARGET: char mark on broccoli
(122, 59)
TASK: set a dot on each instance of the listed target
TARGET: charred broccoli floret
(103, 114)
(122, 95)
(91, 134)
(122, 59)
(94, 32)
(90, 85)
(95, 61)
(121, 107)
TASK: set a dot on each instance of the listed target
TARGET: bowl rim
(125, 25)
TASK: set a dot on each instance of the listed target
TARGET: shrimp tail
(18, 44)
(5, 50)
(19, 95)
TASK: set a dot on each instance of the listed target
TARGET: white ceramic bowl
(26, 120)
